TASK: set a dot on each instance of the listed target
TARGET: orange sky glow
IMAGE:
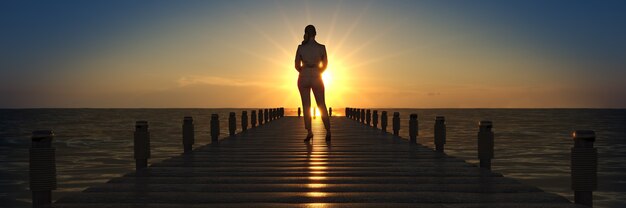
(380, 55)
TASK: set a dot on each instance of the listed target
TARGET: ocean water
(95, 145)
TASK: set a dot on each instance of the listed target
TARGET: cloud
(214, 80)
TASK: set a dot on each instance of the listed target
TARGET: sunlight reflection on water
(94, 145)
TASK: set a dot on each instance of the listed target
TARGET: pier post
(348, 112)
(440, 133)
(215, 128)
(383, 121)
(345, 111)
(396, 123)
(584, 167)
(330, 111)
(357, 114)
(141, 145)
(351, 113)
(282, 111)
(272, 114)
(232, 123)
(188, 134)
(299, 111)
(485, 144)
(260, 117)
(244, 120)
(413, 128)
(362, 115)
(269, 114)
(368, 116)
(375, 119)
(253, 118)
(266, 115)
(42, 169)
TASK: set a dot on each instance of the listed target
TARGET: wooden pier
(270, 166)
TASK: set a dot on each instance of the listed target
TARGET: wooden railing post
(141, 145)
(261, 117)
(351, 112)
(42, 168)
(253, 118)
(584, 167)
(362, 116)
(266, 115)
(357, 114)
(188, 134)
(396, 123)
(244, 120)
(215, 128)
(271, 116)
(368, 117)
(440, 133)
(274, 113)
(330, 111)
(232, 123)
(485, 144)
(375, 119)
(413, 128)
(383, 121)
(299, 111)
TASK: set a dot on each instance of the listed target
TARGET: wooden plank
(270, 166)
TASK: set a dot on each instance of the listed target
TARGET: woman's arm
(298, 61)
(324, 59)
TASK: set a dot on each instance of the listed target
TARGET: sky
(405, 54)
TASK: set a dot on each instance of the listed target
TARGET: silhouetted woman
(311, 61)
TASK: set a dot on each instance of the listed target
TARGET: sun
(327, 77)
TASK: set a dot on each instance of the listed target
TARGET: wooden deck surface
(270, 166)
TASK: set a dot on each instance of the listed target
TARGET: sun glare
(315, 111)
(327, 77)
(339, 81)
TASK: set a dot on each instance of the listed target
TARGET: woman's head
(309, 32)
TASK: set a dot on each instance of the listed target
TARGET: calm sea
(95, 145)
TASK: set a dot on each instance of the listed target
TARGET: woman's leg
(305, 95)
(318, 91)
